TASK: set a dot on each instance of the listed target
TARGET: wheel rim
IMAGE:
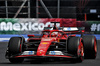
(95, 46)
(20, 49)
(81, 50)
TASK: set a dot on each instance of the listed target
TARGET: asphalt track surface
(28, 62)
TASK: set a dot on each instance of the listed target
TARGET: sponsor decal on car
(48, 39)
(55, 53)
(28, 53)
(43, 39)
(44, 42)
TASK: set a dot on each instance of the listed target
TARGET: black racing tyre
(15, 45)
(16, 60)
(90, 47)
(22, 39)
(75, 47)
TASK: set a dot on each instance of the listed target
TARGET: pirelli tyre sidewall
(75, 47)
(90, 47)
(15, 45)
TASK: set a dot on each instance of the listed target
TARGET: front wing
(50, 54)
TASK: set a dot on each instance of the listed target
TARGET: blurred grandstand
(80, 9)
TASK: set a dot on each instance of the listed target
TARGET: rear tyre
(75, 47)
(90, 47)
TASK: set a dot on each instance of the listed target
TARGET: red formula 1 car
(53, 43)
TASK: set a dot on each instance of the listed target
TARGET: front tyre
(75, 47)
(15, 46)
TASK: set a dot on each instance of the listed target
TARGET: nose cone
(44, 45)
(41, 53)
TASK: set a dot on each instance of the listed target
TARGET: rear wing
(56, 26)
(48, 28)
(67, 29)
(70, 29)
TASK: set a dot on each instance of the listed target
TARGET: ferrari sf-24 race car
(54, 42)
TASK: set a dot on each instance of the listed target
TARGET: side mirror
(30, 36)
